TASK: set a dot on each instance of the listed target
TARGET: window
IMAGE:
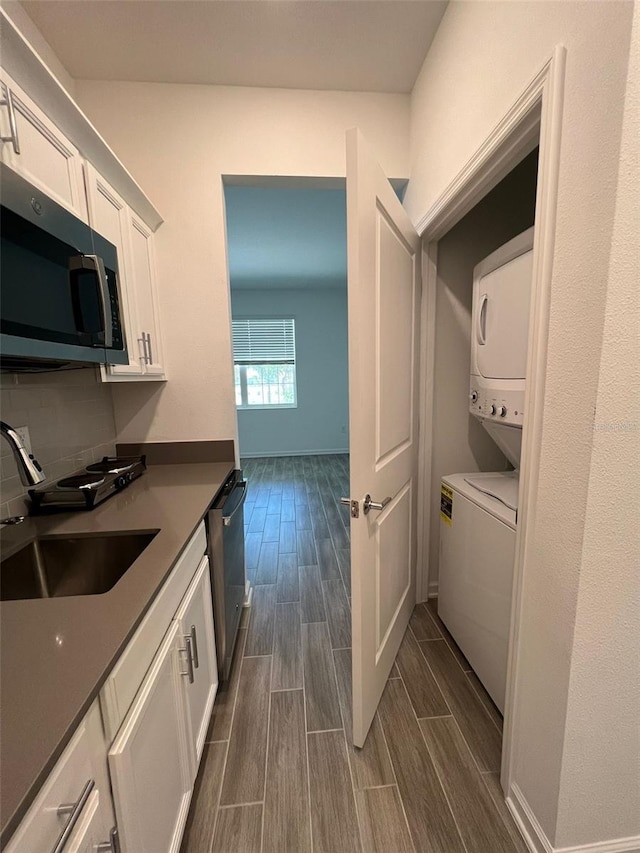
(264, 358)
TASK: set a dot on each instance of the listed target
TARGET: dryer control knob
(473, 396)
(502, 411)
(492, 410)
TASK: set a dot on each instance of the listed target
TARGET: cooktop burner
(113, 464)
(80, 481)
(87, 488)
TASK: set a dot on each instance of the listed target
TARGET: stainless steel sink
(55, 566)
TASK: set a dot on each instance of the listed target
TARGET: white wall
(483, 56)
(602, 748)
(320, 421)
(178, 140)
(460, 444)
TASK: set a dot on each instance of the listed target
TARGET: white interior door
(384, 304)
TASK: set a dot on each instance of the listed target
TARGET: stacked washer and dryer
(479, 511)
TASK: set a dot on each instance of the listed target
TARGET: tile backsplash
(69, 414)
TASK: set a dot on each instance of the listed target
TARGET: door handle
(369, 504)
(481, 331)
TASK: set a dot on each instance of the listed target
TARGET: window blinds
(264, 341)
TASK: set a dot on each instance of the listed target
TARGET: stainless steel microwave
(59, 296)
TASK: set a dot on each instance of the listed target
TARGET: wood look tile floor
(279, 773)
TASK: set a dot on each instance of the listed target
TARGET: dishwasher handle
(227, 519)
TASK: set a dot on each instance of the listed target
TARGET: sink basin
(56, 566)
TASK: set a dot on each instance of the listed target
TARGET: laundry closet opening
(477, 426)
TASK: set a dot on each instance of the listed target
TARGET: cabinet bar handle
(7, 99)
(194, 646)
(112, 845)
(149, 350)
(142, 341)
(189, 653)
(74, 810)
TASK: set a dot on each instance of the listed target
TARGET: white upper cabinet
(143, 271)
(113, 218)
(33, 146)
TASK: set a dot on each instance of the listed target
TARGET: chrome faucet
(29, 468)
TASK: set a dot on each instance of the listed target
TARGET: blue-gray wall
(320, 422)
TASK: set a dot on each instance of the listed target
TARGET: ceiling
(286, 237)
(346, 45)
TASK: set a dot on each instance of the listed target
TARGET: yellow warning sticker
(446, 505)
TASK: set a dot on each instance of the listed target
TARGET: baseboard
(269, 454)
(533, 834)
(432, 590)
(537, 841)
(619, 845)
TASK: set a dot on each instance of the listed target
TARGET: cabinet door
(195, 618)
(144, 275)
(149, 762)
(109, 215)
(45, 158)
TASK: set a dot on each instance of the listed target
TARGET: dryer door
(502, 319)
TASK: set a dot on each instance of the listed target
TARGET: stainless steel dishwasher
(225, 533)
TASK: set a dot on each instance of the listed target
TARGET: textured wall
(70, 420)
(178, 141)
(321, 420)
(602, 748)
(482, 58)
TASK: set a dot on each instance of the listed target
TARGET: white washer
(477, 551)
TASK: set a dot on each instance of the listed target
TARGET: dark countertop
(56, 653)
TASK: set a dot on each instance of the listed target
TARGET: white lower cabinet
(139, 746)
(154, 758)
(73, 810)
(200, 679)
(151, 773)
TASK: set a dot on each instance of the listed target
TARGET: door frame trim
(536, 114)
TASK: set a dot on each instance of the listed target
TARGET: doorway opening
(473, 487)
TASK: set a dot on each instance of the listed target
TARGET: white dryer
(499, 333)
(477, 551)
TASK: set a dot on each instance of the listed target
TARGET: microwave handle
(105, 300)
(95, 263)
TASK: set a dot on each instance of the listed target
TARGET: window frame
(245, 406)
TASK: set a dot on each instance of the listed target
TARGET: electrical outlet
(25, 438)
